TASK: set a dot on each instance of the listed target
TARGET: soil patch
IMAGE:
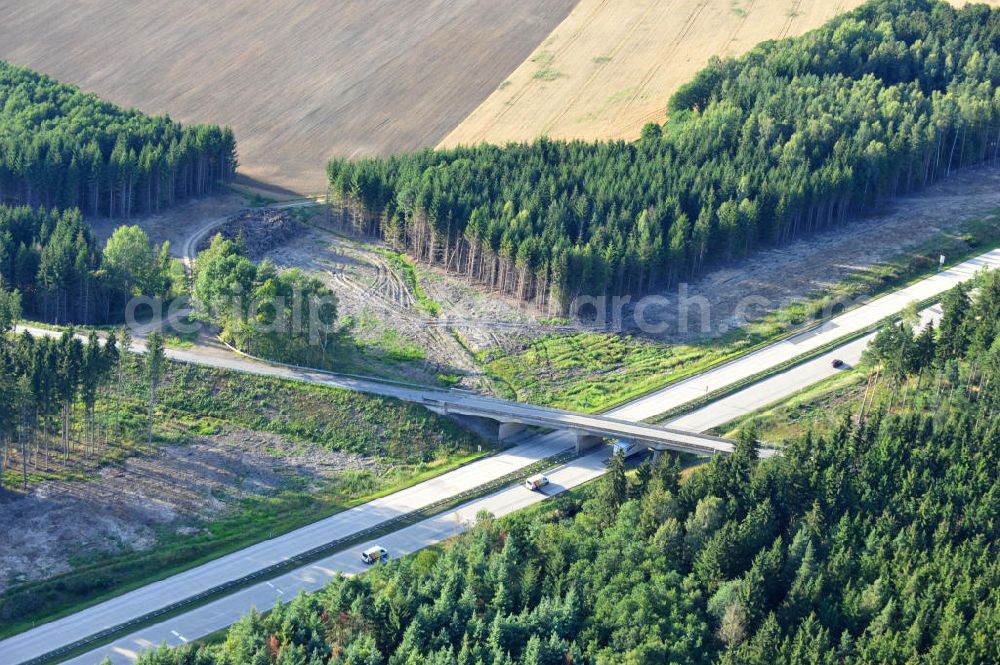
(126, 505)
(177, 223)
(377, 299)
(388, 312)
(782, 275)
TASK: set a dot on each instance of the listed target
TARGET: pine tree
(614, 488)
(155, 361)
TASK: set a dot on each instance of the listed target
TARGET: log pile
(261, 230)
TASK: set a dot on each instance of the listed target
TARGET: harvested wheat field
(298, 80)
(611, 66)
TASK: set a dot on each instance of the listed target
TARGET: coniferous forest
(62, 275)
(61, 398)
(64, 153)
(877, 543)
(795, 136)
(62, 148)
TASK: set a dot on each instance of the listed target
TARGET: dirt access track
(611, 66)
(299, 81)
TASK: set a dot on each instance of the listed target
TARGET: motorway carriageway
(312, 577)
(37, 641)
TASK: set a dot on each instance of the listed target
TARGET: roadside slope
(31, 643)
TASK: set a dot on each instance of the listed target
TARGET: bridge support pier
(508, 431)
(585, 442)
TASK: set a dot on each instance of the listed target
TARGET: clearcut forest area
(831, 165)
(234, 459)
(458, 332)
(298, 81)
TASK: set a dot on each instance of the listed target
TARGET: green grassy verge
(329, 417)
(594, 372)
(359, 346)
(818, 408)
(788, 363)
(822, 407)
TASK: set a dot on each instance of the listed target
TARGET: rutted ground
(422, 326)
(610, 67)
(415, 323)
(473, 327)
(299, 81)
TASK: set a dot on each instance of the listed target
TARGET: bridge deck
(594, 425)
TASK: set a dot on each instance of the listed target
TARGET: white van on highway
(536, 483)
(626, 448)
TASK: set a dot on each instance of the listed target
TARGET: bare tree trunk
(23, 440)
(951, 155)
(65, 432)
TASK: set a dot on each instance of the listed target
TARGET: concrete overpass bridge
(513, 418)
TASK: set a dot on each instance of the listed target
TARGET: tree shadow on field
(265, 189)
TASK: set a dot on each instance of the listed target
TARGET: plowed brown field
(299, 80)
(611, 66)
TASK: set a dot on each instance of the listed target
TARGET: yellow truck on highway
(375, 554)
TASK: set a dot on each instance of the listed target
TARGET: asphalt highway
(175, 631)
(837, 327)
(225, 611)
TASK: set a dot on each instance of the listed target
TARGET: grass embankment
(385, 354)
(412, 443)
(868, 389)
(821, 408)
(594, 372)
